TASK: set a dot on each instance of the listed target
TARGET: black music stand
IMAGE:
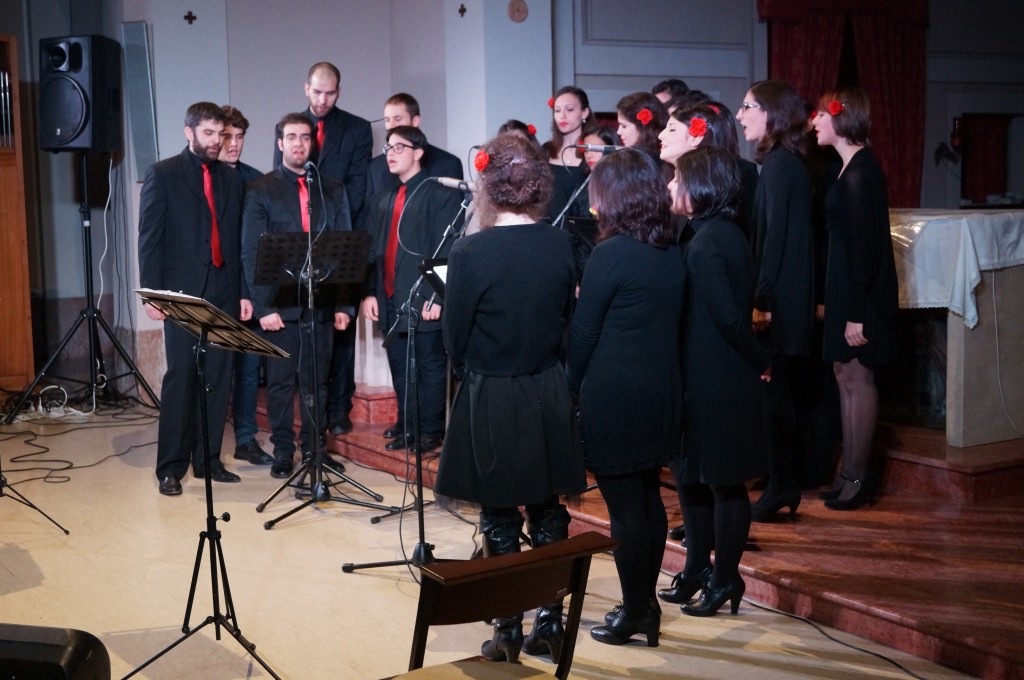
(212, 327)
(298, 259)
(14, 495)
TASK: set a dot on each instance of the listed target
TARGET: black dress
(623, 355)
(784, 253)
(860, 283)
(510, 438)
(723, 361)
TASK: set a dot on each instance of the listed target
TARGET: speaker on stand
(80, 110)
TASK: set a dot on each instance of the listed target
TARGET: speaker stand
(94, 320)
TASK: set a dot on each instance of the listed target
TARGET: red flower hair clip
(644, 116)
(718, 111)
(698, 127)
(835, 107)
(532, 129)
(481, 160)
(551, 103)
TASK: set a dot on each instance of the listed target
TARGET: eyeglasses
(748, 105)
(397, 148)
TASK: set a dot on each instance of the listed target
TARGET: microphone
(310, 166)
(597, 147)
(460, 184)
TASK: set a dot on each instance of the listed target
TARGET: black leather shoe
(282, 466)
(342, 425)
(677, 533)
(684, 587)
(225, 476)
(252, 453)
(428, 443)
(170, 486)
(399, 444)
(395, 431)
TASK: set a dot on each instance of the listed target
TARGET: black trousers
(432, 374)
(285, 375)
(180, 438)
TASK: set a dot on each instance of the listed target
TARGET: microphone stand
(422, 553)
(572, 199)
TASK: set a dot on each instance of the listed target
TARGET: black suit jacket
(436, 163)
(174, 230)
(428, 212)
(348, 143)
(272, 205)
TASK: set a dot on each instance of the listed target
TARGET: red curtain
(805, 43)
(985, 138)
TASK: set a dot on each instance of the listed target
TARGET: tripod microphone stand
(210, 324)
(336, 257)
(14, 495)
(422, 552)
(93, 317)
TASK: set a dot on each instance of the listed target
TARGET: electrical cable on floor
(826, 634)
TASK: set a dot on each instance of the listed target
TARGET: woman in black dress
(775, 117)
(641, 118)
(623, 362)
(510, 442)
(860, 286)
(570, 119)
(723, 364)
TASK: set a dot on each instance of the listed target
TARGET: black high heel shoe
(833, 491)
(684, 587)
(547, 633)
(625, 626)
(767, 507)
(864, 492)
(507, 641)
(712, 599)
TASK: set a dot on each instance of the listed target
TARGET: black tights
(715, 517)
(638, 522)
(858, 406)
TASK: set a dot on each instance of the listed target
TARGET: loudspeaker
(80, 94)
(51, 654)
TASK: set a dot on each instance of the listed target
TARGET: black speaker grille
(66, 111)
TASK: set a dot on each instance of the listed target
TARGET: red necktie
(304, 203)
(320, 134)
(214, 232)
(392, 251)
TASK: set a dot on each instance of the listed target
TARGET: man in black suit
(289, 200)
(342, 146)
(247, 364)
(404, 109)
(407, 224)
(185, 246)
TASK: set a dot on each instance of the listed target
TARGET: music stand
(289, 259)
(212, 327)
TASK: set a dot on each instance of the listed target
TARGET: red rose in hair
(698, 127)
(551, 103)
(644, 116)
(481, 160)
(835, 107)
(718, 111)
(532, 129)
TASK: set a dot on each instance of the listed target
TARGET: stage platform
(935, 567)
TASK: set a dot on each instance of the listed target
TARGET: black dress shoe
(342, 425)
(684, 587)
(252, 453)
(170, 486)
(282, 466)
(428, 443)
(399, 444)
(395, 431)
(223, 475)
(677, 533)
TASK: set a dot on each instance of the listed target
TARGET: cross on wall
(190, 17)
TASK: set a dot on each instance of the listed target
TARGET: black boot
(507, 640)
(548, 524)
(626, 625)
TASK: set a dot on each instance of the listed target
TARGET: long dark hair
(630, 193)
(554, 146)
(630, 107)
(786, 113)
(710, 176)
